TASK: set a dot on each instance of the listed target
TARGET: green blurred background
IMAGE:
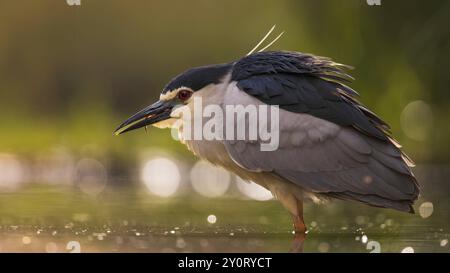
(70, 74)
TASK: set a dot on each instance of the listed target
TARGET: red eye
(184, 94)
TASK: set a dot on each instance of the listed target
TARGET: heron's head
(178, 92)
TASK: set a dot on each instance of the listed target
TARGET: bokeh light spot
(212, 219)
(26, 240)
(408, 249)
(11, 172)
(161, 176)
(417, 120)
(364, 239)
(91, 176)
(208, 180)
(426, 209)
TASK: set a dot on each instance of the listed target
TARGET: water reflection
(159, 240)
(43, 217)
(299, 241)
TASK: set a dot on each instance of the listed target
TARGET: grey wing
(328, 159)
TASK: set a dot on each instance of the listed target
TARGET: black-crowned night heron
(330, 145)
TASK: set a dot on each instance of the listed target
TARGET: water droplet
(26, 240)
(100, 236)
(74, 247)
(408, 249)
(212, 219)
(364, 239)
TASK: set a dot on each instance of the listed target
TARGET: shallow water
(61, 219)
(148, 240)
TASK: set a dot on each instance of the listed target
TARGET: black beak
(156, 112)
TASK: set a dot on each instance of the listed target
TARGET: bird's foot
(297, 243)
(300, 232)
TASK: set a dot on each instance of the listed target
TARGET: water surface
(60, 219)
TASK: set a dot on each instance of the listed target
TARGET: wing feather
(326, 158)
